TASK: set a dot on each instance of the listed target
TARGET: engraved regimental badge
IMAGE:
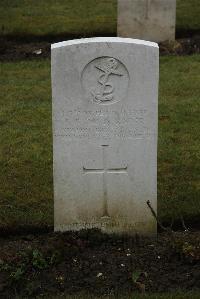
(105, 80)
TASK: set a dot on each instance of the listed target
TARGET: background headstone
(152, 20)
(105, 134)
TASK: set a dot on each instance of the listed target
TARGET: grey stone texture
(152, 20)
(105, 96)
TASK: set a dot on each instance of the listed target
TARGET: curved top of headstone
(104, 40)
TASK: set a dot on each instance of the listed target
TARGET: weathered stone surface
(105, 134)
(152, 20)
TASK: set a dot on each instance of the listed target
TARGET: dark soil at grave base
(92, 262)
(12, 49)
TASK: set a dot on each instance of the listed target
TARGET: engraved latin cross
(104, 170)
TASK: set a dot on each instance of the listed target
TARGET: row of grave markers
(105, 111)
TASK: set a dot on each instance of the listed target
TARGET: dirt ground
(12, 50)
(89, 261)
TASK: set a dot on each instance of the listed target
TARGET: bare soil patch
(12, 50)
(89, 261)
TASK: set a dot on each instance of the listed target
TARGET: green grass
(26, 144)
(178, 155)
(26, 192)
(187, 295)
(73, 17)
(187, 16)
(77, 17)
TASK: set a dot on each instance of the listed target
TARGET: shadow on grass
(25, 37)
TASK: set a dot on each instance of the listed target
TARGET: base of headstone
(111, 227)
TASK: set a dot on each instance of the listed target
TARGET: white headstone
(152, 20)
(105, 134)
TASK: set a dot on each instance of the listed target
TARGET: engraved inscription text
(102, 123)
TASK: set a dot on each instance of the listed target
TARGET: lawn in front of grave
(26, 189)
